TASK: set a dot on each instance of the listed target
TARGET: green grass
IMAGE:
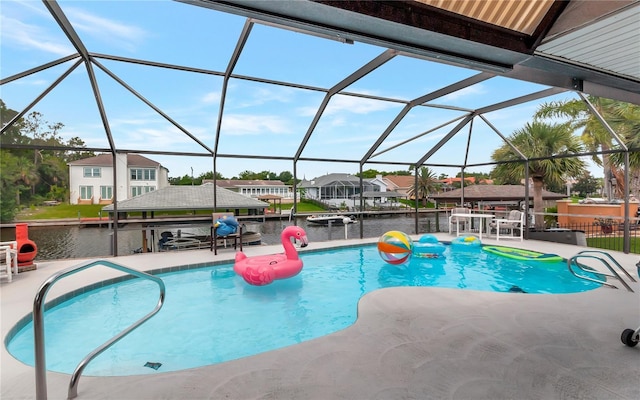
(65, 211)
(614, 243)
(60, 211)
(412, 203)
(303, 207)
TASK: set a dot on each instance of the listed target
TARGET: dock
(106, 222)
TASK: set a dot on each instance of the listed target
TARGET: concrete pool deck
(408, 343)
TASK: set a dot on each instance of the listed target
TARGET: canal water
(64, 242)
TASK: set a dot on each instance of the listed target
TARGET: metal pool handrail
(596, 254)
(38, 324)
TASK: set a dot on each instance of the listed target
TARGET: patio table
(482, 218)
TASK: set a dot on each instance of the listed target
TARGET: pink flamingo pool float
(262, 270)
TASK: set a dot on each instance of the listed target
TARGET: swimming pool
(211, 315)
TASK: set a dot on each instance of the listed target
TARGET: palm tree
(540, 140)
(627, 120)
(624, 119)
(426, 185)
(27, 175)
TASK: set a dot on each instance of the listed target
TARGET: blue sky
(259, 119)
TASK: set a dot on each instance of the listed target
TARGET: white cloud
(258, 96)
(211, 97)
(33, 7)
(105, 30)
(307, 111)
(355, 105)
(239, 124)
(169, 139)
(510, 119)
(470, 91)
(168, 136)
(338, 121)
(346, 104)
(24, 36)
(364, 140)
(32, 82)
(123, 121)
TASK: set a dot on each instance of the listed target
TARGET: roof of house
(471, 179)
(269, 197)
(187, 198)
(106, 160)
(225, 183)
(329, 179)
(449, 181)
(493, 193)
(401, 181)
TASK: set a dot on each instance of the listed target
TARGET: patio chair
(455, 219)
(222, 231)
(513, 225)
(8, 259)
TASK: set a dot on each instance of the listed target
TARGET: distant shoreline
(105, 221)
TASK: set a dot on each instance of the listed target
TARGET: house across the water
(91, 179)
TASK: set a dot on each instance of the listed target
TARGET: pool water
(211, 315)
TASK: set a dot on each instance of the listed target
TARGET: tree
(399, 173)
(369, 174)
(285, 177)
(540, 140)
(34, 126)
(426, 184)
(12, 135)
(27, 176)
(268, 175)
(627, 120)
(8, 189)
(372, 173)
(586, 185)
(183, 180)
(37, 173)
(209, 176)
(250, 175)
(70, 156)
(479, 176)
(623, 118)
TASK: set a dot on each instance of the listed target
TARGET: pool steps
(38, 324)
(602, 257)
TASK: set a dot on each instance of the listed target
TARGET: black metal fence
(609, 236)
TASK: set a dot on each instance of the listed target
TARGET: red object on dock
(27, 248)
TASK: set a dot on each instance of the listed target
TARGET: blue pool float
(428, 247)
(466, 243)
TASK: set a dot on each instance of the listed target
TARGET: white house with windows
(91, 179)
(257, 187)
(340, 189)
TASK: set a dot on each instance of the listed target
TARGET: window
(86, 192)
(106, 192)
(143, 174)
(138, 190)
(91, 172)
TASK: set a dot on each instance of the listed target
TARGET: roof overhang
(426, 29)
(492, 193)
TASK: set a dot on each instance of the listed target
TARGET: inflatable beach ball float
(395, 247)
